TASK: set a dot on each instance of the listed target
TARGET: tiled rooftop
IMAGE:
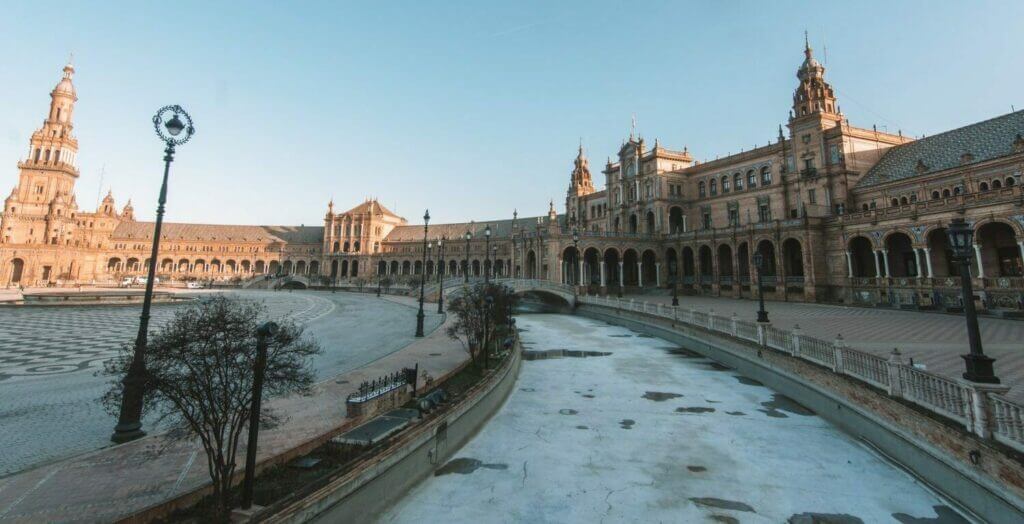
(984, 141)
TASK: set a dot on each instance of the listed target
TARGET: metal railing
(980, 408)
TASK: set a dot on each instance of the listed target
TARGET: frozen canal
(652, 433)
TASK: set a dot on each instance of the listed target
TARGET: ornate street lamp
(423, 276)
(440, 275)
(487, 254)
(263, 334)
(762, 315)
(576, 263)
(465, 270)
(129, 421)
(979, 366)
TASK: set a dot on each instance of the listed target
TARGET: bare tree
(479, 321)
(200, 378)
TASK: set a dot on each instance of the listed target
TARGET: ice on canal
(641, 431)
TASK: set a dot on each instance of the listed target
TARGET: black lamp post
(264, 332)
(129, 421)
(440, 275)
(423, 277)
(465, 270)
(762, 315)
(979, 366)
(576, 250)
(487, 254)
(494, 263)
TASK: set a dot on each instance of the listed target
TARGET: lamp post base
(127, 432)
(675, 301)
(762, 316)
(979, 369)
(419, 323)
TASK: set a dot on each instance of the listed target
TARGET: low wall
(934, 450)
(362, 495)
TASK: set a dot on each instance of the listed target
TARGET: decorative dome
(65, 86)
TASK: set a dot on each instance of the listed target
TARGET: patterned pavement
(935, 340)
(50, 356)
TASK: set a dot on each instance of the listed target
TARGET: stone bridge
(541, 294)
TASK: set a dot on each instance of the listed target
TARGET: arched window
(737, 181)
(1010, 182)
(935, 195)
(864, 207)
(713, 187)
(751, 179)
(946, 193)
(997, 184)
(766, 176)
(725, 183)
(957, 190)
(904, 201)
(983, 186)
(895, 202)
(701, 189)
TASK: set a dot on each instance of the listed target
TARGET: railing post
(837, 348)
(796, 340)
(732, 326)
(895, 380)
(675, 313)
(979, 411)
(762, 335)
(711, 319)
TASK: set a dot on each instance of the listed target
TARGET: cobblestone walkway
(112, 483)
(49, 357)
(934, 339)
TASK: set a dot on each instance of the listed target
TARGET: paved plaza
(49, 357)
(647, 433)
(935, 340)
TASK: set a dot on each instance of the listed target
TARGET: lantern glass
(174, 125)
(487, 231)
(426, 217)
(960, 236)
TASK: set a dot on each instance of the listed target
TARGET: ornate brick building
(839, 212)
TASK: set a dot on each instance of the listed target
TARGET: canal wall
(981, 477)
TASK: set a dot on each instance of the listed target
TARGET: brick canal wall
(982, 476)
(372, 487)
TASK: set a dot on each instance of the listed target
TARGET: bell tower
(42, 206)
(580, 184)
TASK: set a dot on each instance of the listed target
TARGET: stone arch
(314, 267)
(246, 266)
(767, 250)
(611, 267)
(354, 268)
(478, 268)
(132, 264)
(689, 266)
(705, 264)
(725, 260)
(287, 267)
(571, 265)
(230, 266)
(17, 270)
(672, 265)
(792, 258)
(1000, 254)
(260, 266)
(675, 219)
(531, 264)
(743, 262)
(633, 225)
(630, 269)
(406, 267)
(167, 265)
(900, 252)
(862, 256)
(648, 268)
(183, 265)
(274, 267)
(592, 266)
(199, 266)
(453, 267)
(394, 268)
(382, 267)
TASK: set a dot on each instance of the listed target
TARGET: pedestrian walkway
(935, 340)
(115, 482)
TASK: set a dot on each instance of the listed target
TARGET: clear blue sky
(470, 109)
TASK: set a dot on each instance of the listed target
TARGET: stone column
(878, 270)
(1021, 246)
(917, 263)
(640, 274)
(885, 258)
(928, 260)
(580, 279)
(622, 280)
(849, 264)
(561, 271)
(603, 281)
(657, 274)
(977, 255)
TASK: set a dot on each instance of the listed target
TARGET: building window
(734, 217)
(764, 213)
(766, 176)
(812, 196)
(713, 187)
(809, 164)
(833, 153)
(737, 181)
(702, 189)
(725, 184)
(751, 179)
(706, 220)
